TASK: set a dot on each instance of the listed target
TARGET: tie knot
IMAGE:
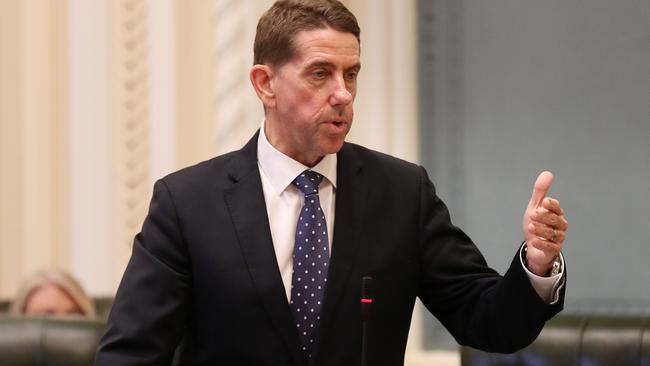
(307, 182)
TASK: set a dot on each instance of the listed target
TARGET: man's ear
(261, 76)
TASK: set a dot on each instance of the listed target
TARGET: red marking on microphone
(366, 301)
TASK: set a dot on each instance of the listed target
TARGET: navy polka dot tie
(310, 261)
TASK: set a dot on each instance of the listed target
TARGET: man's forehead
(325, 34)
(321, 45)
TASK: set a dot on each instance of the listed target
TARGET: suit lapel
(245, 202)
(351, 193)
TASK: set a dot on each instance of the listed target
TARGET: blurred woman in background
(52, 292)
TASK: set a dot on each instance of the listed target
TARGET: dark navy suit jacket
(203, 282)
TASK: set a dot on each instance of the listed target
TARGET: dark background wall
(512, 87)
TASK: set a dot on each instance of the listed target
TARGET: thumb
(542, 185)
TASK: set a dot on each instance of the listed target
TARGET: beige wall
(98, 98)
(34, 184)
(10, 208)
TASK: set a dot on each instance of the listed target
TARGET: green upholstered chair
(578, 340)
(102, 305)
(48, 341)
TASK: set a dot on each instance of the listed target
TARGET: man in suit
(256, 257)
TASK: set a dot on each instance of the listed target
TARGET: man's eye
(319, 74)
(352, 75)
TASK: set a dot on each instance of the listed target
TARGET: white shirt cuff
(548, 288)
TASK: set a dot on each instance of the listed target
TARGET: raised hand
(544, 227)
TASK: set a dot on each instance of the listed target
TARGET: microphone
(366, 301)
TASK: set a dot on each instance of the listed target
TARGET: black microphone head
(366, 288)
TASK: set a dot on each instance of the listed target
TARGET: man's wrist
(550, 270)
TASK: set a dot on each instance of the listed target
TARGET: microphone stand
(366, 301)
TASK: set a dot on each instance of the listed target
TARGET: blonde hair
(58, 278)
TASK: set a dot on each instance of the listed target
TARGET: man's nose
(341, 95)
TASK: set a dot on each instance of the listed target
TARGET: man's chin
(334, 146)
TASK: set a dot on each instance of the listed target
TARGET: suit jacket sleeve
(479, 307)
(147, 318)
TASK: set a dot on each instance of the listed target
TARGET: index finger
(553, 205)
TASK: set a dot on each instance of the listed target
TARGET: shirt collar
(281, 170)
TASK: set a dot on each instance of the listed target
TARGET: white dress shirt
(284, 202)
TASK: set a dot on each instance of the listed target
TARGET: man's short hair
(279, 25)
